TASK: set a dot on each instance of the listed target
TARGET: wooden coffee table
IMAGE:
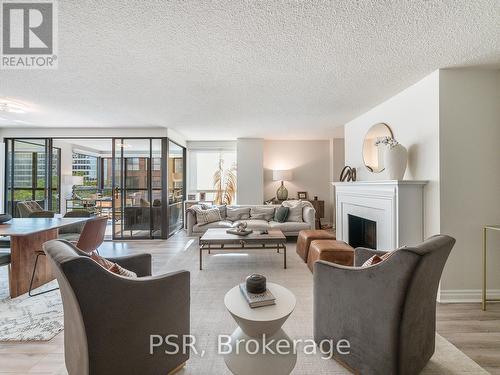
(218, 239)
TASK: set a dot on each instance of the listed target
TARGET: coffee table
(261, 326)
(218, 239)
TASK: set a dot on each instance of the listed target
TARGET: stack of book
(257, 300)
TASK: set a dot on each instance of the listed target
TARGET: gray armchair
(108, 319)
(386, 311)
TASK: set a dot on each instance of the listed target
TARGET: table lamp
(282, 175)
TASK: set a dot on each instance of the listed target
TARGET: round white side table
(260, 326)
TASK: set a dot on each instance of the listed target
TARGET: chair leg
(33, 278)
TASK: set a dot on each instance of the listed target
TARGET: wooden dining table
(27, 235)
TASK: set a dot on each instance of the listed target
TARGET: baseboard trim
(466, 295)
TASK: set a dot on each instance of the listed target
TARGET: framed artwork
(191, 197)
(302, 194)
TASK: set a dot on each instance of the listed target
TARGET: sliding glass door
(32, 173)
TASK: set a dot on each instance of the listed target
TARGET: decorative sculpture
(348, 174)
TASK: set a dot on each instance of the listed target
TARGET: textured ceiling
(227, 69)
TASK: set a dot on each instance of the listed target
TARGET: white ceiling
(227, 69)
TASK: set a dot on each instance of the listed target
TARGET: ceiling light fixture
(12, 106)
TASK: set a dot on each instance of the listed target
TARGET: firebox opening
(362, 232)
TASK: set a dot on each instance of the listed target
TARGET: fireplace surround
(396, 208)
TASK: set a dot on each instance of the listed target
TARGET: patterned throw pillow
(207, 216)
(238, 213)
(376, 259)
(111, 266)
(262, 213)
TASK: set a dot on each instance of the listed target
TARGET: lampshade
(282, 175)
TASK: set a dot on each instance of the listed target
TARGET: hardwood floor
(473, 331)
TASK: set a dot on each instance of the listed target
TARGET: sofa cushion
(254, 224)
(261, 213)
(281, 214)
(218, 224)
(238, 213)
(289, 226)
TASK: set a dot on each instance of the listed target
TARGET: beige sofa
(289, 228)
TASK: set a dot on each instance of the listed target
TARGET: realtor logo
(28, 35)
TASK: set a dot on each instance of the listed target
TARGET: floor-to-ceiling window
(32, 173)
(148, 188)
(137, 182)
(212, 172)
(176, 186)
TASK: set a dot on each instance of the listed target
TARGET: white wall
(413, 116)
(337, 158)
(310, 165)
(250, 170)
(470, 176)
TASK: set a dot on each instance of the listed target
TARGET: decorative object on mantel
(4, 218)
(395, 159)
(302, 194)
(282, 175)
(373, 152)
(347, 174)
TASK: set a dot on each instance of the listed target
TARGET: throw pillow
(207, 216)
(294, 210)
(376, 259)
(281, 214)
(262, 213)
(238, 213)
(111, 266)
(119, 270)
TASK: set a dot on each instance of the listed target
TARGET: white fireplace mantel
(396, 206)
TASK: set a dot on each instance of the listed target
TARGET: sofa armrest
(309, 216)
(139, 263)
(362, 254)
(363, 306)
(190, 221)
(121, 314)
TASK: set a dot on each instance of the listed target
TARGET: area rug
(26, 318)
(209, 317)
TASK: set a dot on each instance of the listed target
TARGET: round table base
(265, 361)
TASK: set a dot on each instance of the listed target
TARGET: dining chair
(90, 239)
(92, 235)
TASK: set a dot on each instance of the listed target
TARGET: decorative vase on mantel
(395, 160)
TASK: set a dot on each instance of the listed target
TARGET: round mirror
(373, 151)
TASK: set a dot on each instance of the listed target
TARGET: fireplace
(362, 232)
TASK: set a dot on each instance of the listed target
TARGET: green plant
(224, 184)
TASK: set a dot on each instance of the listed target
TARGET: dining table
(27, 235)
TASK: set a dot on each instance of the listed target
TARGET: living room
(250, 187)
